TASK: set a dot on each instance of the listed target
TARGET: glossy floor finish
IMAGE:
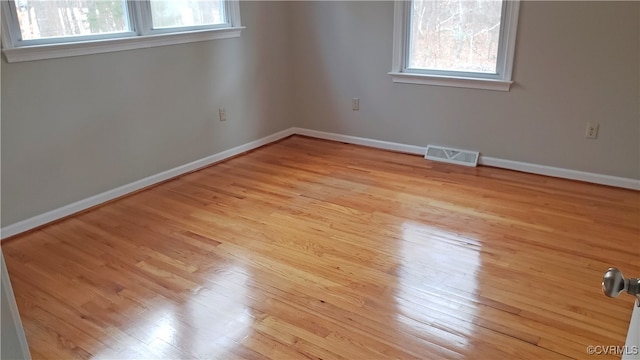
(315, 249)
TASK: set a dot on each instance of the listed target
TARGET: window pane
(180, 13)
(455, 35)
(58, 18)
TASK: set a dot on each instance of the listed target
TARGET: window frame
(500, 81)
(141, 34)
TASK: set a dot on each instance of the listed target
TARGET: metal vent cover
(451, 155)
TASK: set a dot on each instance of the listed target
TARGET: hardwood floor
(315, 249)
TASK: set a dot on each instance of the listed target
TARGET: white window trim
(138, 39)
(401, 74)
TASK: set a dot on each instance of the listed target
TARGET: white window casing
(141, 35)
(500, 81)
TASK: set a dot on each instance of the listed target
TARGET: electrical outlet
(222, 113)
(355, 104)
(592, 131)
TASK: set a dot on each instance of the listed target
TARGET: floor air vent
(449, 155)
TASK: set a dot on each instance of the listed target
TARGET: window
(42, 20)
(42, 29)
(460, 43)
(171, 13)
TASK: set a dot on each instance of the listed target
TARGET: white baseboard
(84, 204)
(87, 203)
(483, 160)
(561, 173)
(409, 149)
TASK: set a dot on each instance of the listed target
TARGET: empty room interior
(437, 179)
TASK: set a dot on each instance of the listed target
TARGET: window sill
(462, 82)
(41, 52)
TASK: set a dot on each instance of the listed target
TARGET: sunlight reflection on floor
(437, 283)
(208, 325)
(222, 321)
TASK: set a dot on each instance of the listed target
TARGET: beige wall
(575, 62)
(75, 127)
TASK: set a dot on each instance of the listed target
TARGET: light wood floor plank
(315, 249)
